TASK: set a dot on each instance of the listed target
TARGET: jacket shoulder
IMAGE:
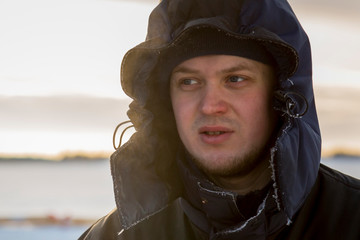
(169, 223)
(331, 210)
(107, 227)
(341, 179)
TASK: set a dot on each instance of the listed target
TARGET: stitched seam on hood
(116, 190)
(272, 164)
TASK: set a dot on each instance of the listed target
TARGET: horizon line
(92, 155)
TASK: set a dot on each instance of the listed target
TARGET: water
(41, 233)
(347, 165)
(53, 191)
(70, 190)
(76, 189)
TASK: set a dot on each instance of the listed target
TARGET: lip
(225, 134)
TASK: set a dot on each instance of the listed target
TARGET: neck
(256, 179)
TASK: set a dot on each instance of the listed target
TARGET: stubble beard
(235, 165)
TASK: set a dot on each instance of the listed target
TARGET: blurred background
(60, 100)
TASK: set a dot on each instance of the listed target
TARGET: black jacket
(304, 202)
(329, 212)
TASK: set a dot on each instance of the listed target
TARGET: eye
(188, 81)
(235, 79)
(186, 84)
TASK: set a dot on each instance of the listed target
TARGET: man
(227, 143)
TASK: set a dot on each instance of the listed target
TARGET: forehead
(221, 64)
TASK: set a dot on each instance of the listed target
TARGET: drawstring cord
(289, 99)
(122, 133)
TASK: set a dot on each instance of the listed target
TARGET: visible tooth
(214, 133)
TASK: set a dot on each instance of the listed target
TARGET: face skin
(224, 117)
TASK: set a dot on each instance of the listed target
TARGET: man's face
(223, 112)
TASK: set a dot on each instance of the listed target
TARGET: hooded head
(265, 31)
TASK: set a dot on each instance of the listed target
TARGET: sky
(67, 47)
(60, 66)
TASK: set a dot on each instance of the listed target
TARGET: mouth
(215, 134)
(214, 130)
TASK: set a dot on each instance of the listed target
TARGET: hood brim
(151, 55)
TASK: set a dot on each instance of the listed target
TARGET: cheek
(182, 109)
(184, 119)
(177, 107)
(258, 111)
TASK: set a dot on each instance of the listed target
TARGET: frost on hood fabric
(144, 169)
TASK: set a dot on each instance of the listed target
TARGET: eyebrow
(235, 68)
(184, 70)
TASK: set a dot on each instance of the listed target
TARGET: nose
(213, 101)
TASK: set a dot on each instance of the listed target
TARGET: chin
(228, 166)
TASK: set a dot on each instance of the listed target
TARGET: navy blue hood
(144, 169)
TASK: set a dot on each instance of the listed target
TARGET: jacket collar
(216, 211)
